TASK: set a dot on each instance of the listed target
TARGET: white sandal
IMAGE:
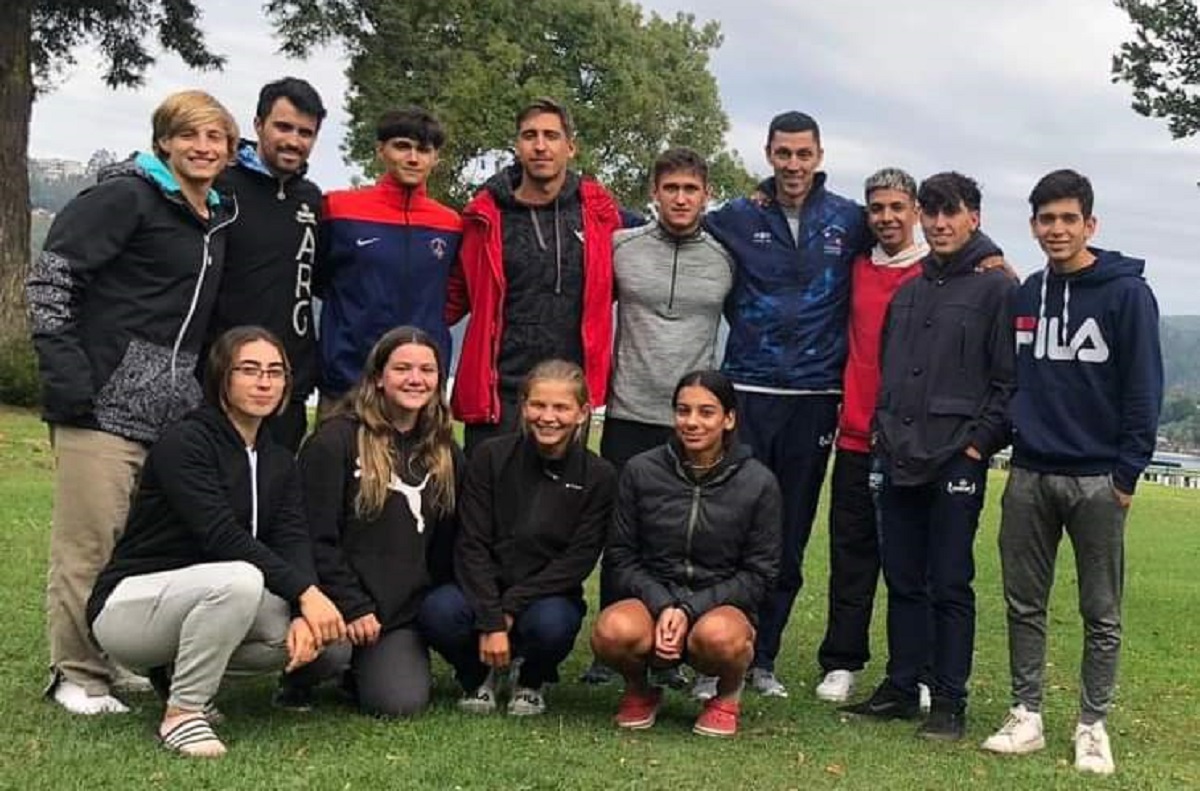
(194, 737)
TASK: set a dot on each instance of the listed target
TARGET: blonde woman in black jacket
(693, 549)
(380, 481)
(534, 512)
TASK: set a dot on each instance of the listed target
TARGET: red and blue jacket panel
(385, 258)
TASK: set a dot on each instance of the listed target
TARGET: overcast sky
(1003, 92)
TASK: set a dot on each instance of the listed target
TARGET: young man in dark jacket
(787, 316)
(1085, 417)
(119, 304)
(271, 250)
(536, 276)
(946, 377)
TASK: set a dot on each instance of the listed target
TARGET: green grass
(796, 743)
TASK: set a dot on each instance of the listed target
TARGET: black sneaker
(674, 677)
(887, 702)
(293, 697)
(947, 721)
(598, 673)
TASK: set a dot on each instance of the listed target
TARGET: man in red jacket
(891, 196)
(535, 274)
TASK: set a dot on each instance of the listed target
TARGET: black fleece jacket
(381, 565)
(948, 366)
(529, 527)
(194, 504)
(695, 543)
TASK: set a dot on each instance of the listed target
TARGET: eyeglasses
(257, 372)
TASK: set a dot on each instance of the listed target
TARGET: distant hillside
(1181, 352)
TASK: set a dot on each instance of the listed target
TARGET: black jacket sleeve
(991, 431)
(621, 554)
(88, 234)
(747, 586)
(574, 565)
(187, 471)
(474, 565)
(323, 466)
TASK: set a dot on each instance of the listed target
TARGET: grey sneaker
(671, 677)
(705, 688)
(763, 682)
(526, 702)
(483, 699)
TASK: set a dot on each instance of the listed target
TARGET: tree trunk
(16, 105)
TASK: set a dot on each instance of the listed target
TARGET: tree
(635, 83)
(1162, 63)
(37, 39)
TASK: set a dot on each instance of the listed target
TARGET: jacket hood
(216, 419)
(504, 184)
(977, 248)
(154, 170)
(1110, 265)
(248, 159)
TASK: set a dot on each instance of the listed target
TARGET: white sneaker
(1021, 733)
(483, 699)
(1093, 752)
(924, 698)
(76, 700)
(526, 702)
(764, 683)
(705, 688)
(837, 686)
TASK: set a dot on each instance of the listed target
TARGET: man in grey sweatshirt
(672, 278)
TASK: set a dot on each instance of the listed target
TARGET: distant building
(58, 169)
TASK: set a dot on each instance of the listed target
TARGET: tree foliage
(1162, 62)
(636, 83)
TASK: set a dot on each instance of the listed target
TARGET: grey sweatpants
(1036, 509)
(206, 620)
(391, 677)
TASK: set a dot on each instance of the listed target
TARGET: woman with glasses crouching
(214, 572)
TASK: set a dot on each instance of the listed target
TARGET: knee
(617, 634)
(445, 612)
(242, 581)
(407, 701)
(720, 643)
(551, 623)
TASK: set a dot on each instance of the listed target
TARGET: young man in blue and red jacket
(536, 275)
(1084, 417)
(385, 253)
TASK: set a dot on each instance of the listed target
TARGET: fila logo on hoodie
(1045, 334)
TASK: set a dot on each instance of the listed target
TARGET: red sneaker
(719, 718)
(638, 711)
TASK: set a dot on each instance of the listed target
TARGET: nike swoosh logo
(365, 242)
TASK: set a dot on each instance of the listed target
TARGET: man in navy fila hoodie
(1085, 417)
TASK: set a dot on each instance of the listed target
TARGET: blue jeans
(927, 537)
(542, 634)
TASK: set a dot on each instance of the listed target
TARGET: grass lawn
(796, 743)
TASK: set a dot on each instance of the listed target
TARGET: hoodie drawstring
(1061, 335)
(541, 240)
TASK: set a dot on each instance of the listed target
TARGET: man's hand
(669, 634)
(322, 616)
(973, 453)
(363, 630)
(997, 262)
(301, 645)
(1124, 499)
(494, 649)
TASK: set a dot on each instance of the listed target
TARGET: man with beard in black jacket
(269, 259)
(947, 375)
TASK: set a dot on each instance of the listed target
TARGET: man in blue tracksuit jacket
(787, 314)
(1085, 417)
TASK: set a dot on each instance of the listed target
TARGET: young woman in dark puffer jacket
(693, 549)
(380, 482)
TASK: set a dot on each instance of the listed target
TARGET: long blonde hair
(432, 451)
